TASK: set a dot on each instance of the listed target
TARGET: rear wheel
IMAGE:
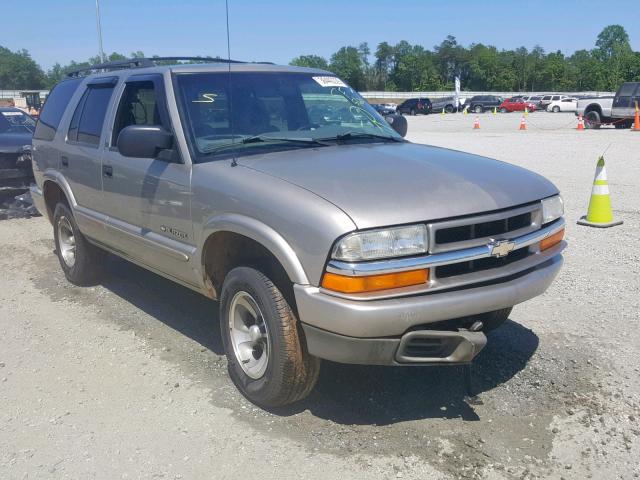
(477, 109)
(81, 261)
(503, 110)
(448, 109)
(592, 119)
(555, 109)
(266, 352)
(412, 112)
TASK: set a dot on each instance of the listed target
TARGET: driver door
(148, 200)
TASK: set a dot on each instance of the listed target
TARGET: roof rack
(144, 62)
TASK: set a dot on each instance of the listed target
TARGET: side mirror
(143, 141)
(398, 123)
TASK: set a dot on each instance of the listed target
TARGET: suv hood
(389, 184)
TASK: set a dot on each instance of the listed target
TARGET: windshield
(15, 121)
(250, 112)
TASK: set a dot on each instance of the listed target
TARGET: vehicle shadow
(352, 394)
(345, 394)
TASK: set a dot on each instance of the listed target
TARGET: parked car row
(481, 103)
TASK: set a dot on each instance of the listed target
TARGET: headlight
(552, 209)
(382, 243)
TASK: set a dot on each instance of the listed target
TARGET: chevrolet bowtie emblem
(501, 248)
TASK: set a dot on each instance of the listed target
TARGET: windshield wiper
(266, 139)
(350, 135)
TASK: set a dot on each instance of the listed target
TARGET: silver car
(281, 193)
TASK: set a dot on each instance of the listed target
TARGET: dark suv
(413, 106)
(480, 103)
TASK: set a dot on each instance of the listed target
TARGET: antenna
(233, 150)
(99, 26)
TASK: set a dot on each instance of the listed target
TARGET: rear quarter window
(54, 108)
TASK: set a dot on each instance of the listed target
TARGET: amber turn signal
(552, 240)
(373, 283)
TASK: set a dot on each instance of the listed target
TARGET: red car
(516, 105)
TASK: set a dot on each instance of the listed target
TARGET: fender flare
(261, 233)
(61, 182)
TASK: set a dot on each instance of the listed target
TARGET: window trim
(163, 111)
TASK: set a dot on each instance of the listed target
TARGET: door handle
(64, 161)
(107, 171)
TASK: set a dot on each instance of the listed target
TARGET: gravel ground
(127, 379)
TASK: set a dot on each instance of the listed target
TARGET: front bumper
(371, 332)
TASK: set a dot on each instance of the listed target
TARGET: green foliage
(19, 71)
(311, 61)
(406, 67)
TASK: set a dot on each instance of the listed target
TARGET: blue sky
(278, 30)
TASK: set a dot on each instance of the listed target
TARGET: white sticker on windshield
(330, 81)
(11, 114)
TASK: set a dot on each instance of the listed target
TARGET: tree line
(407, 67)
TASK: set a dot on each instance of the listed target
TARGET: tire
(555, 109)
(624, 125)
(412, 112)
(448, 109)
(503, 110)
(492, 320)
(478, 109)
(592, 119)
(277, 369)
(81, 262)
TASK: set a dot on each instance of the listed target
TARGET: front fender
(263, 234)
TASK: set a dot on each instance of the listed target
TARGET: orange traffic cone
(523, 124)
(636, 122)
(476, 124)
(580, 123)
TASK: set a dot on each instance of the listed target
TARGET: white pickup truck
(618, 110)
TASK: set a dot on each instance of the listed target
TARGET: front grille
(485, 229)
(473, 266)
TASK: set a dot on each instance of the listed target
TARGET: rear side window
(87, 121)
(54, 108)
(627, 89)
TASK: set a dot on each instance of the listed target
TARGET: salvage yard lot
(127, 379)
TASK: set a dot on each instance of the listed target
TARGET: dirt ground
(127, 379)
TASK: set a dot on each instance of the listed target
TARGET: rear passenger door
(80, 159)
(148, 200)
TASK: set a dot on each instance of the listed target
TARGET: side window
(72, 134)
(138, 106)
(86, 123)
(54, 107)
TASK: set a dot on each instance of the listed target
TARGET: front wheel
(492, 320)
(503, 110)
(81, 262)
(266, 353)
(412, 112)
(555, 109)
(478, 109)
